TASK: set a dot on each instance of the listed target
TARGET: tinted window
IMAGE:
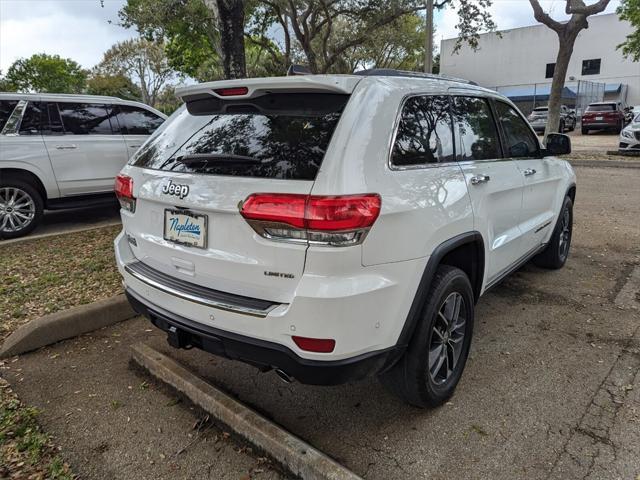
(591, 67)
(137, 121)
(6, 107)
(424, 132)
(519, 140)
(55, 122)
(85, 118)
(476, 129)
(281, 136)
(605, 107)
(551, 68)
(33, 118)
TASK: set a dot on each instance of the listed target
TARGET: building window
(551, 68)
(591, 67)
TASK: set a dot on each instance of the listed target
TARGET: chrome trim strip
(196, 298)
(543, 226)
(514, 266)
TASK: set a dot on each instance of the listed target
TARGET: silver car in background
(630, 136)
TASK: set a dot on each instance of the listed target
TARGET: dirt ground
(551, 389)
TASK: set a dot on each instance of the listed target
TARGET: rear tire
(585, 131)
(557, 251)
(561, 129)
(21, 208)
(429, 371)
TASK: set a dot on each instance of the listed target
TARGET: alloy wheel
(565, 234)
(17, 209)
(447, 338)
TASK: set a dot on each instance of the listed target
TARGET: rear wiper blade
(221, 158)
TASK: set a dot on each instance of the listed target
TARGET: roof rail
(390, 72)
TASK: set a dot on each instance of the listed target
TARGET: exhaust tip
(283, 376)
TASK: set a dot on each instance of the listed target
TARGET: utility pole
(428, 44)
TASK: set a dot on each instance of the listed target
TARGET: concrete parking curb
(297, 456)
(66, 324)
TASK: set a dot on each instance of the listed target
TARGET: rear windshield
(282, 136)
(609, 107)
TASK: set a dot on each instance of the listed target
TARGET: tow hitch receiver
(177, 338)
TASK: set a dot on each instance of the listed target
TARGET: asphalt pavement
(551, 389)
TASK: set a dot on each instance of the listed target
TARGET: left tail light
(124, 192)
(318, 219)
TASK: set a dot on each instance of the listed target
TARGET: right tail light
(323, 220)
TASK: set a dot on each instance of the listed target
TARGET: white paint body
(70, 165)
(358, 295)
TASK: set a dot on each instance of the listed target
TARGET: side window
(519, 140)
(424, 133)
(137, 121)
(55, 122)
(476, 129)
(85, 118)
(6, 107)
(33, 119)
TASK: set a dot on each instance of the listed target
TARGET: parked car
(602, 116)
(630, 112)
(331, 227)
(630, 135)
(64, 151)
(538, 119)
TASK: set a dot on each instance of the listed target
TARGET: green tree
(46, 73)
(629, 10)
(113, 85)
(142, 61)
(5, 86)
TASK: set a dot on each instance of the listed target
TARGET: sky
(83, 30)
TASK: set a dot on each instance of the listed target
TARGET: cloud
(75, 29)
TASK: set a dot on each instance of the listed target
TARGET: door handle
(529, 171)
(66, 147)
(478, 179)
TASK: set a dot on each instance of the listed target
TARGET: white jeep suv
(329, 227)
(63, 151)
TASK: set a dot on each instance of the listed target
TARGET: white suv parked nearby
(333, 227)
(63, 151)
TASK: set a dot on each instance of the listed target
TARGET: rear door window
(85, 118)
(6, 107)
(137, 121)
(476, 128)
(424, 132)
(33, 119)
(518, 137)
(282, 136)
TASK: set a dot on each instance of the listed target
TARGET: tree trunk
(565, 50)
(231, 25)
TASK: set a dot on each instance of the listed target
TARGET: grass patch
(55, 273)
(25, 450)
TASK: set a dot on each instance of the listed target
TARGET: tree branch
(541, 16)
(579, 7)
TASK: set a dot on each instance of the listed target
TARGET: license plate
(598, 119)
(185, 228)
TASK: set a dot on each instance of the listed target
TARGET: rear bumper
(185, 333)
(593, 124)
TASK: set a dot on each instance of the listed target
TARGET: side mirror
(558, 144)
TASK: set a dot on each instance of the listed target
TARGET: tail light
(322, 220)
(124, 192)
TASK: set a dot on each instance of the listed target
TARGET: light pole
(428, 43)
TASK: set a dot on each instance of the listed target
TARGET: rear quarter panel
(421, 208)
